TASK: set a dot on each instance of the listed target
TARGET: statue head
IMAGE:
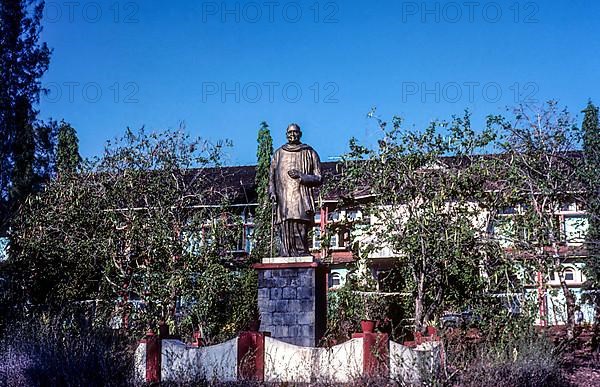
(293, 134)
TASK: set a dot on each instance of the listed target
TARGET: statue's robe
(295, 206)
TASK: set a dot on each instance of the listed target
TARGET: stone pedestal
(292, 299)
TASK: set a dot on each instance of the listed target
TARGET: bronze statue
(295, 170)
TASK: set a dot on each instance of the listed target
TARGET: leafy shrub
(343, 314)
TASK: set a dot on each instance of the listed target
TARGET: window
(352, 215)
(337, 240)
(248, 238)
(503, 228)
(569, 275)
(568, 206)
(575, 228)
(3, 248)
(316, 239)
(336, 279)
(507, 211)
(235, 237)
(334, 241)
(192, 241)
(333, 216)
(572, 207)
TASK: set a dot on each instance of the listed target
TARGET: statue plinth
(292, 299)
(302, 259)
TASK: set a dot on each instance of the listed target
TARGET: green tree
(23, 61)
(263, 218)
(57, 243)
(591, 183)
(539, 175)
(146, 224)
(67, 152)
(423, 185)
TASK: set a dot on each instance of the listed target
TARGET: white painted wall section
(139, 363)
(291, 363)
(414, 366)
(180, 362)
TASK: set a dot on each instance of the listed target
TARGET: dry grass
(39, 352)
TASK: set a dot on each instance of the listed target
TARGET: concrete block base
(292, 301)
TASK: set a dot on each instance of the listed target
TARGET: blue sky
(222, 67)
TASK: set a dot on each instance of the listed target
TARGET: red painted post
(251, 356)
(431, 331)
(376, 359)
(153, 348)
(418, 338)
(197, 337)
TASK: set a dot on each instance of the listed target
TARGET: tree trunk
(435, 304)
(419, 312)
(570, 302)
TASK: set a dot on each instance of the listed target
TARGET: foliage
(500, 319)
(57, 243)
(263, 218)
(373, 307)
(67, 152)
(138, 228)
(24, 144)
(423, 185)
(539, 175)
(591, 147)
(589, 175)
(343, 313)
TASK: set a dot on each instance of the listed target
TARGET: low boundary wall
(256, 356)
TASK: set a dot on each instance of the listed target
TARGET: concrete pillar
(376, 358)
(153, 355)
(251, 356)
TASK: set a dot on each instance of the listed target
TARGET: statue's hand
(294, 173)
(273, 198)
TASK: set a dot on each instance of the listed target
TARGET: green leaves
(423, 185)
(67, 153)
(142, 227)
(263, 217)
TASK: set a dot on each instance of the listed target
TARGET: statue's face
(293, 135)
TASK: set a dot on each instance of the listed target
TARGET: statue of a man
(295, 170)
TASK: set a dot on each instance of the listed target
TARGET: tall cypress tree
(23, 61)
(591, 149)
(262, 219)
(67, 153)
(45, 152)
(591, 182)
